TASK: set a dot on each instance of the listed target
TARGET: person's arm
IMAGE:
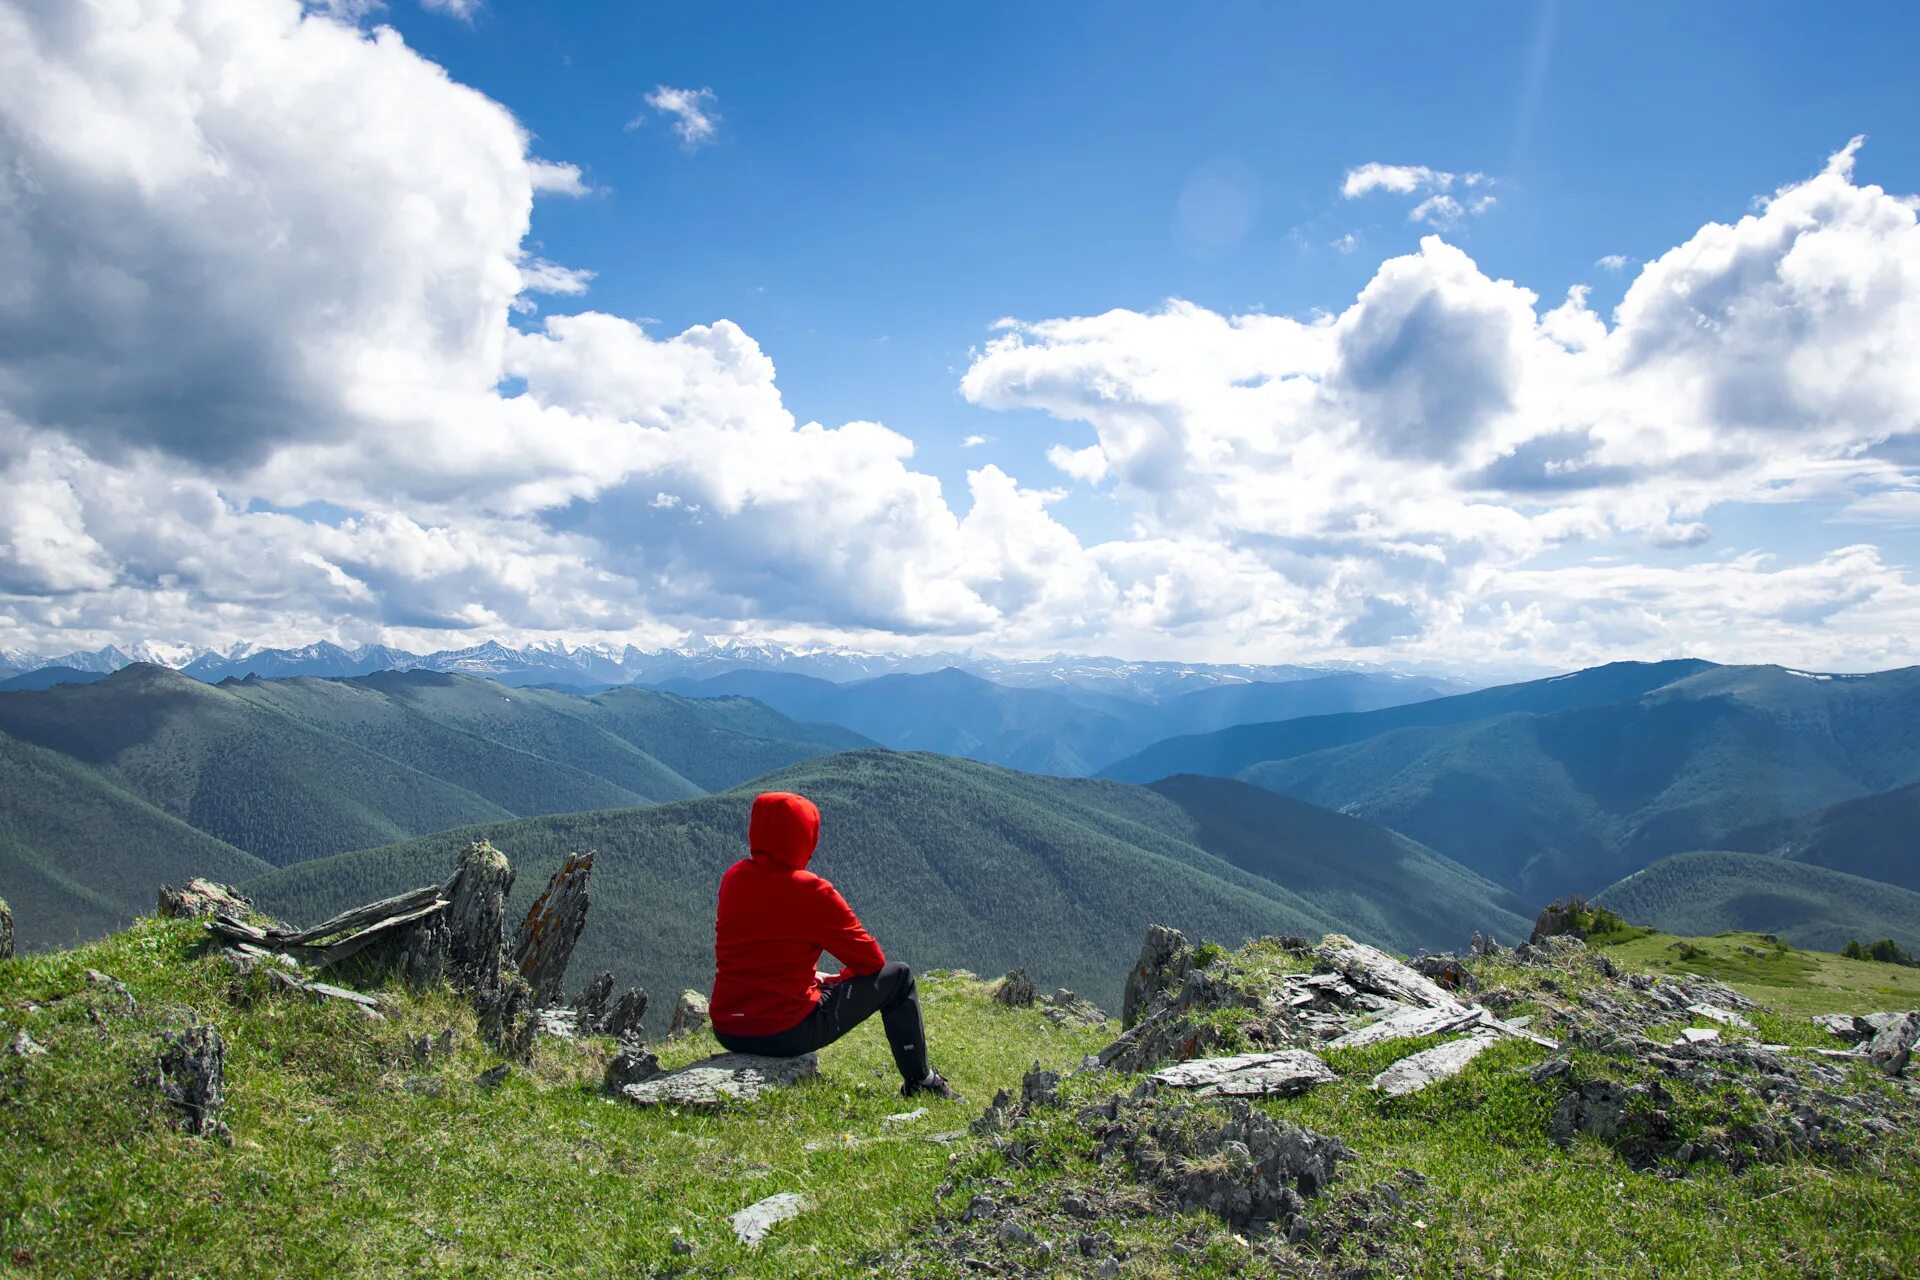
(845, 938)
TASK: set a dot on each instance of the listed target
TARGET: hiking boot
(935, 1083)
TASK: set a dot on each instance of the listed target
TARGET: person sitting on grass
(774, 920)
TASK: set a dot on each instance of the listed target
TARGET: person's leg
(845, 1005)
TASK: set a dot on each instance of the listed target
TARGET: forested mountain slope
(1227, 752)
(1579, 798)
(953, 863)
(80, 857)
(1709, 893)
(1876, 836)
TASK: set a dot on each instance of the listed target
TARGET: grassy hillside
(80, 857)
(1790, 979)
(524, 750)
(952, 862)
(1710, 893)
(249, 776)
(1373, 881)
(296, 769)
(949, 863)
(1876, 836)
(1229, 751)
(1578, 798)
(350, 1159)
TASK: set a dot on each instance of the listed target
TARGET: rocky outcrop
(476, 899)
(623, 1020)
(1372, 970)
(1246, 1168)
(1405, 1024)
(544, 944)
(1165, 960)
(722, 1079)
(202, 900)
(191, 1077)
(594, 1001)
(1248, 1075)
(689, 1014)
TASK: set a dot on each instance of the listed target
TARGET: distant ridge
(1717, 892)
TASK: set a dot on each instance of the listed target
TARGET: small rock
(904, 1117)
(192, 1077)
(680, 1247)
(752, 1223)
(633, 1064)
(25, 1046)
(1107, 1270)
(1697, 1035)
(493, 1077)
(980, 1208)
(1039, 1088)
(594, 1001)
(1015, 990)
(689, 1013)
(1013, 1233)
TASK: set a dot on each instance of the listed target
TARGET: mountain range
(1061, 729)
(592, 667)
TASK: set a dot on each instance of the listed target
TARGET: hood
(784, 828)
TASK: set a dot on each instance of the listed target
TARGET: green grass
(351, 1160)
(339, 1167)
(1786, 978)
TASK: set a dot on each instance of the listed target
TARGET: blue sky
(889, 180)
(427, 322)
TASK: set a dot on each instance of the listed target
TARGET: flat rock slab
(1697, 1035)
(721, 1079)
(1404, 1024)
(1370, 969)
(1725, 1017)
(1415, 1072)
(1249, 1075)
(752, 1223)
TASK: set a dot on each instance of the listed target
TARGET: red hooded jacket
(774, 920)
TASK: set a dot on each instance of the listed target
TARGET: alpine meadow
(1012, 641)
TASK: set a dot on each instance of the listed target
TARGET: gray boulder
(1249, 1075)
(623, 1020)
(1893, 1045)
(722, 1079)
(1405, 1024)
(689, 1013)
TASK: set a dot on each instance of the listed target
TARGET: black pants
(844, 1006)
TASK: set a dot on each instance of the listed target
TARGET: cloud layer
(267, 372)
